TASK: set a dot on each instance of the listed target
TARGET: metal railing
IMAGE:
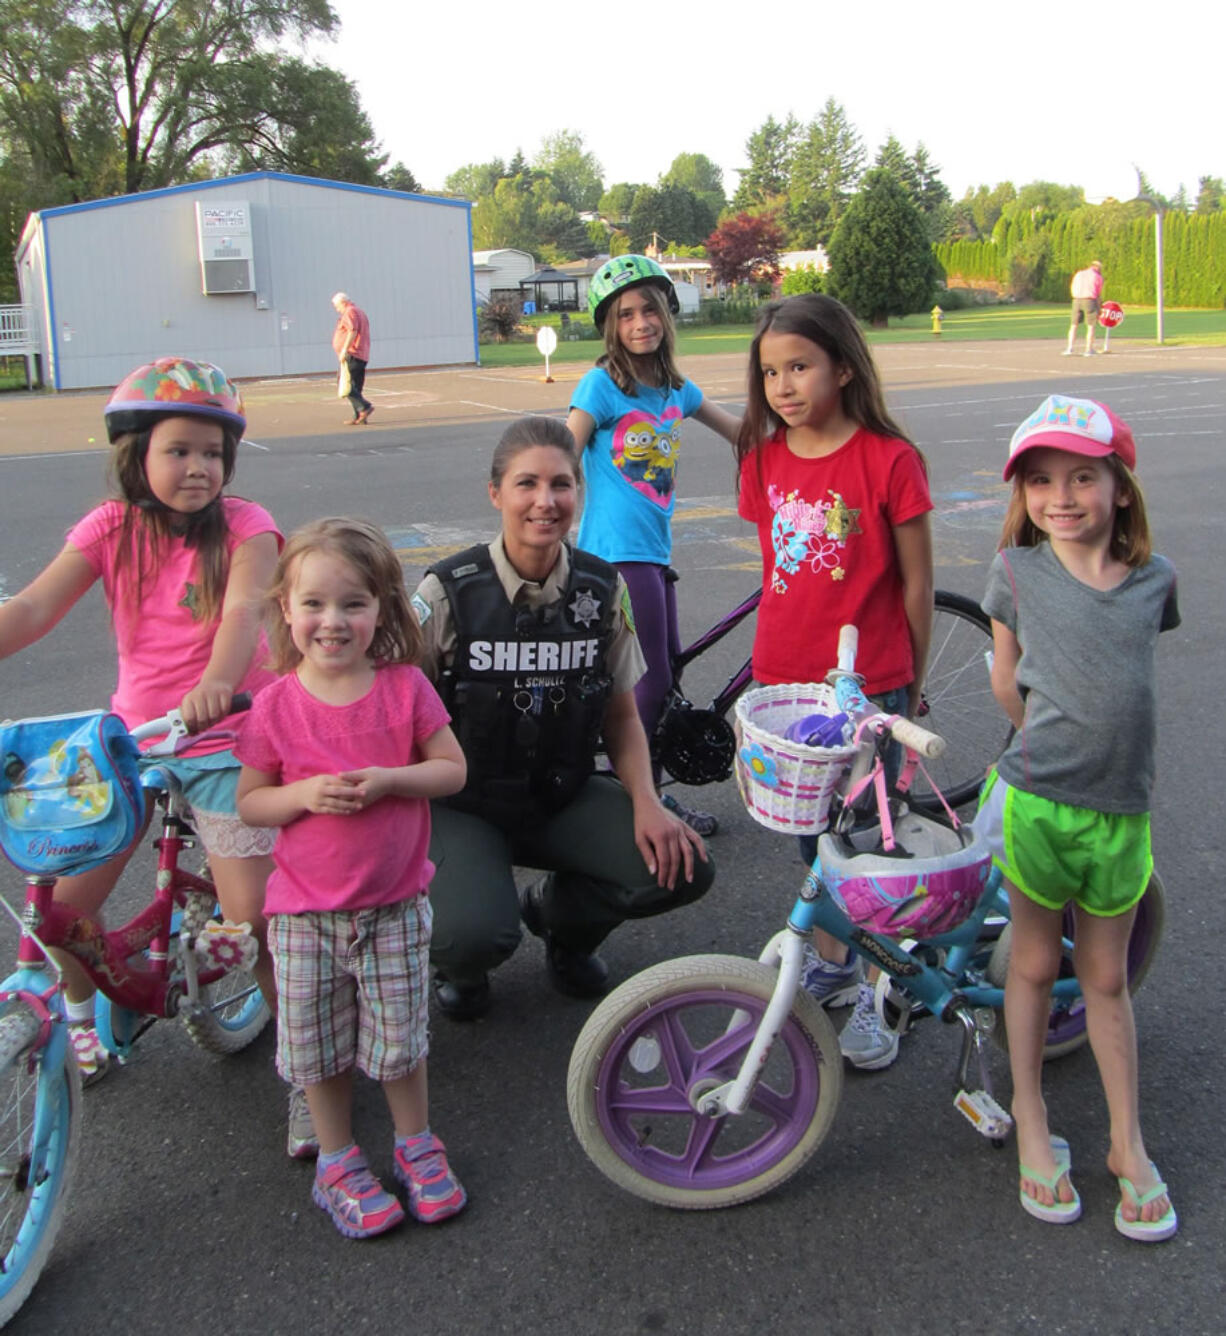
(18, 333)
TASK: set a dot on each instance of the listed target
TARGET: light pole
(1157, 207)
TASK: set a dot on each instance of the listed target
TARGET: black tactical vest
(527, 688)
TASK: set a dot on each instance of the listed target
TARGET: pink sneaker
(434, 1191)
(360, 1206)
(92, 1055)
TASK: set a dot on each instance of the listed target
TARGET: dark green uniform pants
(599, 879)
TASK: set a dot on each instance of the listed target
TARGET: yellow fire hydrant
(937, 316)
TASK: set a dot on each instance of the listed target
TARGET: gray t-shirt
(1086, 676)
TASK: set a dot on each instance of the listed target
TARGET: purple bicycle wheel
(669, 1036)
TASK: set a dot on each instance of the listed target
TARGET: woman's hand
(667, 844)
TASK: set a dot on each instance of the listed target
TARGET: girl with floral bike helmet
(183, 568)
(626, 417)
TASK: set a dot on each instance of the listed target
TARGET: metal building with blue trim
(240, 271)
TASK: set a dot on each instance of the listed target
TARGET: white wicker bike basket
(786, 785)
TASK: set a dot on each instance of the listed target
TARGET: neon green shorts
(1055, 853)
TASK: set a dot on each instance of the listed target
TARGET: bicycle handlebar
(910, 734)
(171, 723)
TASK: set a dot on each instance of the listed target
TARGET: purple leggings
(654, 601)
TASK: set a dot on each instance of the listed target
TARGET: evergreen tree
(1210, 194)
(881, 260)
(825, 170)
(398, 177)
(893, 157)
(770, 150)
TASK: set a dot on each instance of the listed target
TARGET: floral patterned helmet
(927, 885)
(173, 387)
(621, 273)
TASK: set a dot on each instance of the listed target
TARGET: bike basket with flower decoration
(70, 791)
(787, 785)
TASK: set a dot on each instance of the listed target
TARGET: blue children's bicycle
(72, 797)
(709, 1080)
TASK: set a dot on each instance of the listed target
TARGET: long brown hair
(364, 546)
(832, 327)
(617, 361)
(148, 525)
(1131, 542)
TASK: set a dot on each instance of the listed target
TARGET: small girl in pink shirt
(342, 755)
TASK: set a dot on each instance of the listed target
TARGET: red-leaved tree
(745, 246)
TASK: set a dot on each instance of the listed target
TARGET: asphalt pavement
(189, 1217)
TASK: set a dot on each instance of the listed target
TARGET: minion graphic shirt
(630, 467)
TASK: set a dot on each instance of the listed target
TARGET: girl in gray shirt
(1077, 599)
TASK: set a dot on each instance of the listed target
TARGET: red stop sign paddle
(1110, 315)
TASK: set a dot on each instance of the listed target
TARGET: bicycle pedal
(226, 945)
(983, 1113)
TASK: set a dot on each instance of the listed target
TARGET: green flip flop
(1060, 1212)
(1145, 1231)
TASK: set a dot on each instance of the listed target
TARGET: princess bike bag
(70, 791)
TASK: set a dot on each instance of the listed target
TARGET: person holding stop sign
(1086, 289)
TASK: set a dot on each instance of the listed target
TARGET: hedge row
(1038, 257)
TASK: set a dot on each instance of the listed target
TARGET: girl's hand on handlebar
(329, 795)
(206, 703)
(667, 844)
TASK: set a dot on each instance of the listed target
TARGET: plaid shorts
(351, 990)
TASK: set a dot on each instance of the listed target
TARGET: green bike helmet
(621, 273)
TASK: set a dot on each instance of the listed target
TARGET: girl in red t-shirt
(840, 498)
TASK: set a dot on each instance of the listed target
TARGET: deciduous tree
(576, 173)
(105, 97)
(745, 246)
(696, 172)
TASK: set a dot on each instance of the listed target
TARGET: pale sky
(1037, 90)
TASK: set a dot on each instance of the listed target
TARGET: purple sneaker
(360, 1206)
(434, 1191)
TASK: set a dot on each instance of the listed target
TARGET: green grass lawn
(1033, 321)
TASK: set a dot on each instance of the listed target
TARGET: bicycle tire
(232, 1013)
(959, 705)
(31, 1212)
(1066, 1026)
(673, 1032)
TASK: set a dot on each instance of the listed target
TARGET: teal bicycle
(711, 1079)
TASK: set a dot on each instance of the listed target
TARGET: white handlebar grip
(849, 640)
(918, 739)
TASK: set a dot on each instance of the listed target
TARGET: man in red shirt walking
(351, 342)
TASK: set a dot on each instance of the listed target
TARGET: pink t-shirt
(825, 527)
(163, 647)
(373, 857)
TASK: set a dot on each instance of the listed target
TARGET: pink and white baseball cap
(1081, 426)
